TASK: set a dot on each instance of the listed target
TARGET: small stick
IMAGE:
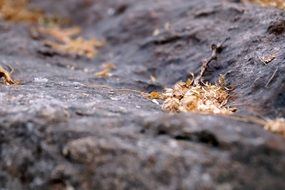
(216, 49)
(272, 77)
(114, 89)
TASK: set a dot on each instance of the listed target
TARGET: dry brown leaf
(106, 69)
(153, 95)
(17, 10)
(60, 34)
(274, 3)
(267, 58)
(275, 125)
(7, 77)
(53, 21)
(190, 97)
(68, 42)
(171, 104)
(78, 47)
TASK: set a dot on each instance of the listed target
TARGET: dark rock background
(63, 128)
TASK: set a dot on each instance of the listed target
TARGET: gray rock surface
(63, 128)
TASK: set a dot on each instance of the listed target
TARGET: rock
(63, 128)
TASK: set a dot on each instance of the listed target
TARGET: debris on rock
(106, 68)
(63, 128)
(78, 47)
(60, 34)
(8, 80)
(67, 41)
(275, 125)
(18, 10)
(274, 3)
(190, 97)
(267, 58)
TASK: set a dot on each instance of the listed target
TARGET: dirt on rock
(65, 128)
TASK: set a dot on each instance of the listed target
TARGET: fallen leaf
(105, 70)
(275, 125)
(17, 10)
(78, 47)
(154, 95)
(68, 41)
(7, 77)
(274, 3)
(60, 34)
(267, 58)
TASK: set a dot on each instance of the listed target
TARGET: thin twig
(12, 70)
(114, 89)
(272, 77)
(216, 49)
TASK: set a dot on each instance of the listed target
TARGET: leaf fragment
(59, 34)
(154, 95)
(267, 58)
(275, 125)
(8, 80)
(105, 70)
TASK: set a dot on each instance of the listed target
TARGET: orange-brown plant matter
(190, 97)
(106, 69)
(7, 77)
(18, 10)
(67, 41)
(276, 125)
(275, 3)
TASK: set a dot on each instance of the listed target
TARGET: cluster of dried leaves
(61, 40)
(195, 97)
(68, 41)
(18, 10)
(274, 3)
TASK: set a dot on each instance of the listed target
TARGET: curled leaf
(8, 80)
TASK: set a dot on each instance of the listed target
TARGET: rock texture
(63, 128)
